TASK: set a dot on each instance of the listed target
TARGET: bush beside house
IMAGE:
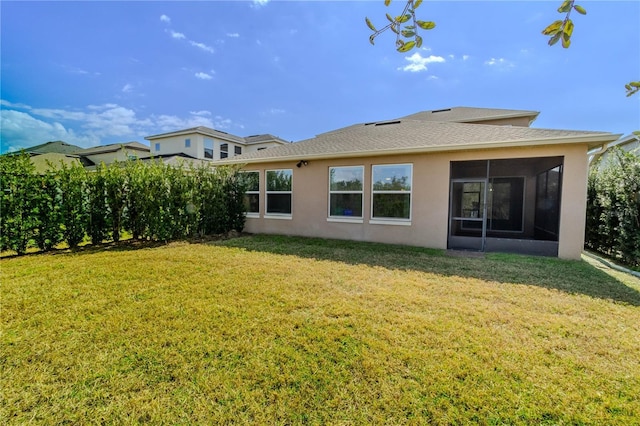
(149, 200)
(613, 208)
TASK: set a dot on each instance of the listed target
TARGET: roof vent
(369, 124)
(387, 122)
(440, 110)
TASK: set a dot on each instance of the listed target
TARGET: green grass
(279, 330)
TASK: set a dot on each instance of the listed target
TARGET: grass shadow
(576, 277)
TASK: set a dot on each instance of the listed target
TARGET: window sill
(390, 222)
(252, 215)
(280, 216)
(345, 220)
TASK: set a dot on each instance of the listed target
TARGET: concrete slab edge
(610, 264)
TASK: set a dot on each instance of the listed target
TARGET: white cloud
(165, 18)
(465, 57)
(233, 35)
(128, 88)
(88, 127)
(203, 76)
(200, 113)
(259, 3)
(419, 63)
(273, 111)
(500, 63)
(21, 130)
(201, 46)
(177, 35)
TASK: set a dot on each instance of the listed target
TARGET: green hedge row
(149, 200)
(613, 208)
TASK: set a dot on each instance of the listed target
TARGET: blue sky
(94, 73)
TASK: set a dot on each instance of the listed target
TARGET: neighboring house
(108, 154)
(460, 178)
(602, 157)
(54, 153)
(203, 143)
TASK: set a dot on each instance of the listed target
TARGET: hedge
(149, 200)
(613, 208)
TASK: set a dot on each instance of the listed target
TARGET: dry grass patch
(291, 330)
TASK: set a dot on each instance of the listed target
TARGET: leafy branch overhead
(407, 36)
(563, 29)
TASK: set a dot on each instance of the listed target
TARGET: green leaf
(409, 27)
(565, 7)
(554, 39)
(369, 24)
(390, 18)
(566, 42)
(426, 25)
(635, 84)
(394, 28)
(568, 28)
(408, 33)
(418, 41)
(406, 46)
(402, 19)
(387, 2)
(371, 38)
(553, 28)
(581, 10)
(417, 4)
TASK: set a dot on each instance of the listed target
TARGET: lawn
(279, 330)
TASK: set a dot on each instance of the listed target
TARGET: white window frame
(254, 214)
(390, 220)
(342, 218)
(268, 215)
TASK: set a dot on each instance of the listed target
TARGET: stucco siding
(428, 226)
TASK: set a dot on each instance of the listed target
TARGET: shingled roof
(470, 115)
(414, 136)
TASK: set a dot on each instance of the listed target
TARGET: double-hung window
(237, 150)
(391, 192)
(346, 192)
(279, 184)
(251, 181)
(224, 150)
(187, 143)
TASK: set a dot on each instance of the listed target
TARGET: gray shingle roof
(455, 115)
(408, 136)
(58, 147)
(469, 114)
(137, 146)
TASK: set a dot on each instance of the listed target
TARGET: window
(237, 150)
(187, 143)
(252, 194)
(279, 191)
(208, 148)
(391, 194)
(345, 191)
(157, 147)
(224, 150)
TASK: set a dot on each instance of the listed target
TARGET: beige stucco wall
(119, 155)
(430, 198)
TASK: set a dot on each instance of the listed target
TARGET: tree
(406, 28)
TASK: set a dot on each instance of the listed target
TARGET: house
(458, 178)
(55, 152)
(602, 157)
(204, 143)
(111, 153)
